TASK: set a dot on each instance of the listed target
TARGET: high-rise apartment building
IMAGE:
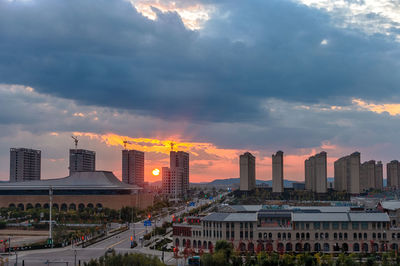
(277, 172)
(247, 171)
(172, 182)
(81, 161)
(393, 174)
(180, 159)
(133, 167)
(371, 175)
(24, 164)
(347, 173)
(315, 169)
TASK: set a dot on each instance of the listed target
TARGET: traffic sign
(147, 223)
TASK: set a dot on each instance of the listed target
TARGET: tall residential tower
(277, 172)
(347, 173)
(315, 169)
(81, 161)
(247, 171)
(24, 164)
(133, 167)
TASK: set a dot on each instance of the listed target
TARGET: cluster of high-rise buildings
(350, 175)
(25, 165)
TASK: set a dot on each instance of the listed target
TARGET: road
(120, 243)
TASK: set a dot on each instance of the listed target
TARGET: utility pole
(50, 222)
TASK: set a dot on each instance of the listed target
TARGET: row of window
(342, 225)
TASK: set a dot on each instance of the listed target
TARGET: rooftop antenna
(172, 146)
(76, 141)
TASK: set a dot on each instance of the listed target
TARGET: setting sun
(156, 172)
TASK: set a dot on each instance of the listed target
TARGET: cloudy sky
(216, 77)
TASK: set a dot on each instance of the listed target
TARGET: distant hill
(232, 181)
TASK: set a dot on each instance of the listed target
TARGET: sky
(215, 77)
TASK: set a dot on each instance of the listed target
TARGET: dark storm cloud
(105, 53)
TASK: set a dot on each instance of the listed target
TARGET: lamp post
(50, 222)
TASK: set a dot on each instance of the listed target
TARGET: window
(335, 225)
(384, 235)
(289, 235)
(379, 225)
(302, 235)
(345, 225)
(246, 225)
(227, 234)
(373, 225)
(302, 225)
(279, 235)
(233, 234)
(379, 235)
(308, 236)
(232, 225)
(307, 226)
(297, 235)
(373, 235)
(241, 225)
(317, 225)
(246, 235)
(227, 225)
(340, 236)
(284, 235)
(316, 235)
(251, 225)
(335, 236)
(365, 236)
(355, 235)
(326, 235)
(364, 225)
(359, 235)
(241, 234)
(345, 236)
(325, 225)
(354, 225)
(259, 235)
(270, 235)
(251, 234)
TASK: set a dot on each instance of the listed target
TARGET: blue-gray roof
(231, 217)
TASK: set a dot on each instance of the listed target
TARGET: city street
(120, 243)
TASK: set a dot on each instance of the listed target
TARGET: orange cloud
(391, 108)
(207, 161)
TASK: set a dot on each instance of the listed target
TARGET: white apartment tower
(393, 174)
(133, 167)
(247, 171)
(315, 169)
(81, 161)
(347, 173)
(277, 172)
(24, 164)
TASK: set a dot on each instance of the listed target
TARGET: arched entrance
(365, 247)
(289, 247)
(307, 247)
(177, 242)
(356, 247)
(250, 247)
(38, 206)
(242, 247)
(298, 247)
(345, 247)
(64, 207)
(21, 206)
(317, 247)
(29, 206)
(326, 247)
(72, 207)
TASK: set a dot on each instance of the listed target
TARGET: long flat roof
(231, 217)
(100, 180)
(341, 217)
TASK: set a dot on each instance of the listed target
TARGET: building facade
(179, 164)
(172, 184)
(347, 173)
(25, 164)
(133, 167)
(371, 175)
(81, 161)
(98, 189)
(247, 171)
(393, 174)
(290, 231)
(277, 172)
(315, 169)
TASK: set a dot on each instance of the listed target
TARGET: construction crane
(172, 146)
(76, 141)
(126, 142)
